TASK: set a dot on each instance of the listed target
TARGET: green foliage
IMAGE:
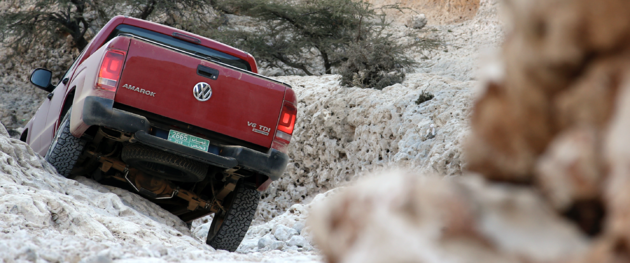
(319, 37)
(26, 23)
(377, 60)
(424, 96)
(375, 63)
(289, 32)
(183, 14)
(46, 21)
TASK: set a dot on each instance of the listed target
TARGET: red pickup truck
(181, 119)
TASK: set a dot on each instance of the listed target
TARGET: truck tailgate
(160, 80)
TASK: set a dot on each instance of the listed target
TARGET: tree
(183, 14)
(376, 63)
(289, 30)
(45, 22)
(25, 22)
(318, 37)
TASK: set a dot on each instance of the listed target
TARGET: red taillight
(287, 118)
(110, 70)
(286, 124)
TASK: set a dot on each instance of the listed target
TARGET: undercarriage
(101, 160)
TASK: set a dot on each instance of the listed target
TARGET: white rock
(3, 131)
(266, 242)
(408, 217)
(45, 217)
(201, 232)
(284, 233)
(298, 226)
(417, 21)
(297, 241)
(248, 246)
(278, 245)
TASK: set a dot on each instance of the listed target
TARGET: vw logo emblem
(202, 91)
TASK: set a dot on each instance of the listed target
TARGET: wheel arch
(67, 103)
(26, 132)
(24, 135)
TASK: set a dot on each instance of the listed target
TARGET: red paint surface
(289, 96)
(238, 99)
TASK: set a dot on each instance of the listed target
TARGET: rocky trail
(45, 217)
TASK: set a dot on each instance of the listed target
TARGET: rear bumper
(99, 111)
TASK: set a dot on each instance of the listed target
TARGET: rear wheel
(65, 149)
(229, 228)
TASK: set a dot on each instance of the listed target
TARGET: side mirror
(41, 78)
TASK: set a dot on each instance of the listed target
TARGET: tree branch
(293, 64)
(147, 10)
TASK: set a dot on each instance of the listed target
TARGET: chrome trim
(202, 91)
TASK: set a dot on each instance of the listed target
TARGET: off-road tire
(163, 164)
(229, 228)
(64, 149)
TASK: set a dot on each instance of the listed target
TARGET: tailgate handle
(207, 72)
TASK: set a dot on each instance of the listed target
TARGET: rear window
(180, 44)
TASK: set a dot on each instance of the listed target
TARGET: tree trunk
(327, 64)
(148, 9)
(78, 25)
(80, 43)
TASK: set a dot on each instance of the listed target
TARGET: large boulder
(550, 145)
(408, 217)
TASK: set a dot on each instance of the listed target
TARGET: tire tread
(237, 220)
(67, 150)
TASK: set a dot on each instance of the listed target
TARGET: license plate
(188, 140)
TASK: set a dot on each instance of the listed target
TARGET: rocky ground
(547, 158)
(45, 217)
(342, 133)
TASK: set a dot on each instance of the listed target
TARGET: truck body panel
(84, 83)
(161, 81)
